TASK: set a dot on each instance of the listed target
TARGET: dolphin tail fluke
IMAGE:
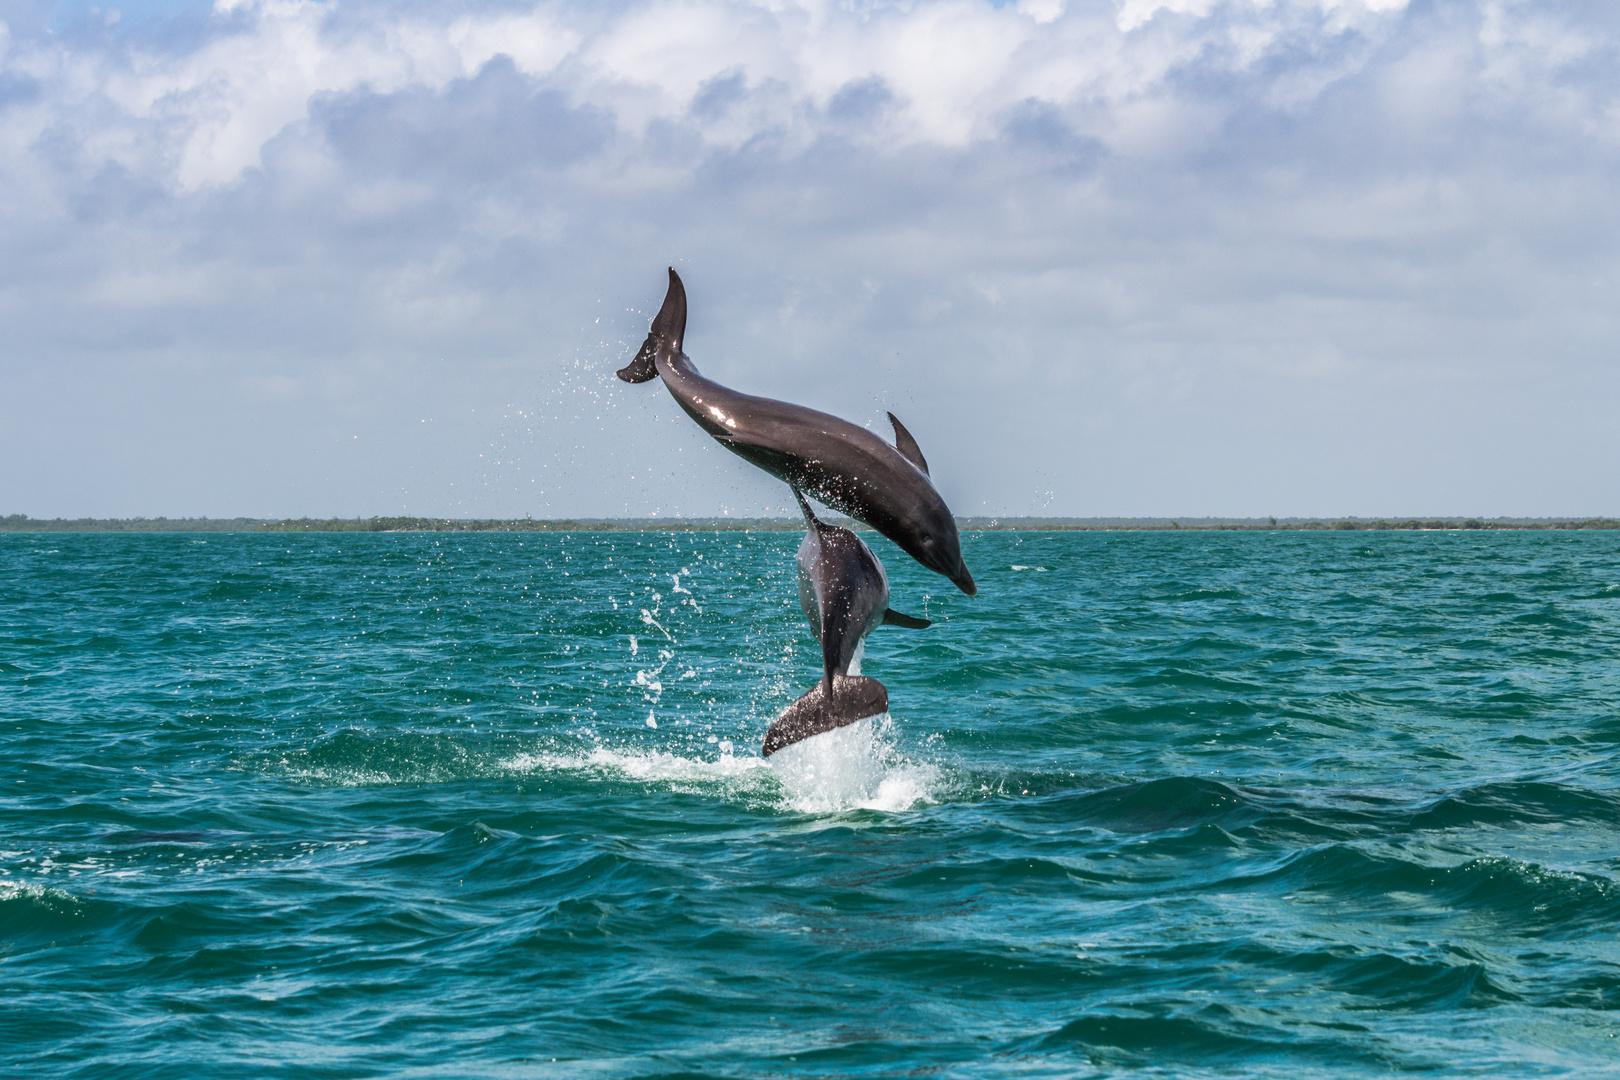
(668, 332)
(642, 368)
(854, 697)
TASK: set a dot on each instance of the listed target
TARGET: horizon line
(22, 523)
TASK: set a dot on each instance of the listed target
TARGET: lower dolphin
(845, 595)
(847, 467)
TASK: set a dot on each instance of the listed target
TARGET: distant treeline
(23, 523)
(417, 524)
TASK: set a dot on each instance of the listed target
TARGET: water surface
(1257, 804)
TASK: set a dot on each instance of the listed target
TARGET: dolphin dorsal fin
(809, 514)
(907, 446)
(892, 617)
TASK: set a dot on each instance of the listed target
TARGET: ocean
(1185, 804)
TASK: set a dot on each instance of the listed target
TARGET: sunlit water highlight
(1192, 805)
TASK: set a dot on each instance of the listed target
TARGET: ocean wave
(1153, 806)
(1514, 802)
(28, 909)
(1211, 1036)
(1511, 896)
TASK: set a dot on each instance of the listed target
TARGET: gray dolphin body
(845, 595)
(847, 467)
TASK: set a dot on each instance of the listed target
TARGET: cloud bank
(1137, 257)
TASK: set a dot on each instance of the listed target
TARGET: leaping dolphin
(845, 595)
(847, 467)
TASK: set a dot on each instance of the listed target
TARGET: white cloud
(1042, 11)
(954, 67)
(216, 106)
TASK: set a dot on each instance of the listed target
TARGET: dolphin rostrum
(845, 595)
(847, 467)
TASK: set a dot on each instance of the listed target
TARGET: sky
(1104, 257)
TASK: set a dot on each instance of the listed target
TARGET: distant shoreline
(20, 523)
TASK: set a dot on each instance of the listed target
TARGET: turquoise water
(1257, 804)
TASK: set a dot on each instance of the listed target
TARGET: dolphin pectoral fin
(892, 617)
(854, 697)
(668, 331)
(907, 446)
(744, 442)
(809, 514)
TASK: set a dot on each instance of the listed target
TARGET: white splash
(650, 766)
(852, 767)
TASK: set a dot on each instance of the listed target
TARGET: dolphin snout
(964, 580)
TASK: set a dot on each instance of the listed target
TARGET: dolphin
(846, 467)
(845, 595)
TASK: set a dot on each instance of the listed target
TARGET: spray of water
(853, 767)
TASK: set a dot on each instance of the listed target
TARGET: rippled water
(491, 805)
